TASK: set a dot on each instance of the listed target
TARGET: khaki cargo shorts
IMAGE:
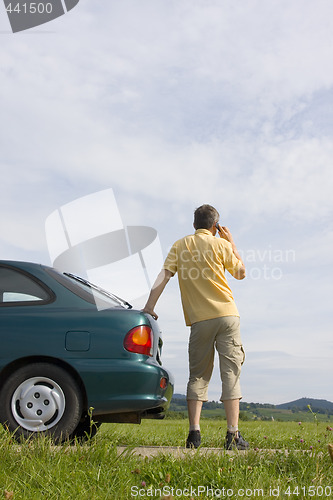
(224, 335)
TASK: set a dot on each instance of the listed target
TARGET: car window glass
(16, 286)
(81, 290)
(18, 297)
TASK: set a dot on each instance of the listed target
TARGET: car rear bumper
(122, 387)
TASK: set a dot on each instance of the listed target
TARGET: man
(209, 308)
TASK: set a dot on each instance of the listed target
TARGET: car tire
(85, 430)
(41, 398)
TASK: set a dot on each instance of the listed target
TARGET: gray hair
(205, 217)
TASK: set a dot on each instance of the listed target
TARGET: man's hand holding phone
(224, 232)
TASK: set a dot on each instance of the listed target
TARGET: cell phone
(217, 226)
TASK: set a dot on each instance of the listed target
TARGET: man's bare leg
(231, 407)
(194, 412)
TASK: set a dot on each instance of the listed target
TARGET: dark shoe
(235, 443)
(193, 439)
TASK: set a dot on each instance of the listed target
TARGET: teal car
(69, 351)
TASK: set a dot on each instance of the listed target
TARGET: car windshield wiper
(112, 296)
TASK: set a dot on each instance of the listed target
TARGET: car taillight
(140, 340)
(163, 383)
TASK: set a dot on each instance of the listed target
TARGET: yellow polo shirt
(200, 260)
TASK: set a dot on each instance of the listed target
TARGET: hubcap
(38, 404)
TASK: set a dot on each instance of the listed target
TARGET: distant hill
(179, 400)
(302, 404)
(178, 396)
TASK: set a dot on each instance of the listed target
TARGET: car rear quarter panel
(114, 379)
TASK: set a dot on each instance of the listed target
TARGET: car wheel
(40, 398)
(85, 430)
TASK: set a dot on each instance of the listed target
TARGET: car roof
(20, 263)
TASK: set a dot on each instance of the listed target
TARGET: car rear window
(83, 290)
(18, 287)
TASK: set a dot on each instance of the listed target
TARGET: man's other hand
(152, 313)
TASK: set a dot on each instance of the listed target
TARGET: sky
(172, 104)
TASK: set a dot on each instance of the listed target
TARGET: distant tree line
(179, 404)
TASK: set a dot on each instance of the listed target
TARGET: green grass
(268, 435)
(38, 470)
(258, 414)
